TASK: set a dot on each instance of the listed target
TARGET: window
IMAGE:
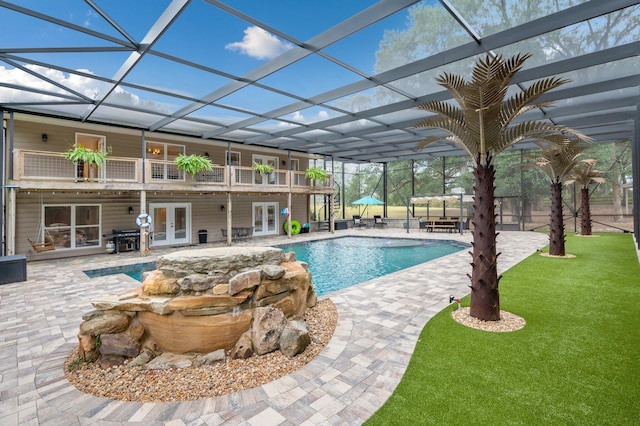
(235, 158)
(164, 153)
(72, 226)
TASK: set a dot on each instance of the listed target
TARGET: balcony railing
(53, 166)
(43, 165)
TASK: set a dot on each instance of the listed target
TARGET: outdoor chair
(423, 225)
(358, 223)
(378, 221)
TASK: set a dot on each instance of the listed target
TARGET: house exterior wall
(114, 200)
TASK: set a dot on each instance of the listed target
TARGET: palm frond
(441, 108)
(558, 158)
(450, 138)
(584, 173)
(458, 129)
(454, 84)
(483, 121)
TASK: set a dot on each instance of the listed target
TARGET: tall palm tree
(483, 125)
(584, 175)
(557, 159)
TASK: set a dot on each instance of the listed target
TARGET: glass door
(265, 179)
(265, 219)
(171, 223)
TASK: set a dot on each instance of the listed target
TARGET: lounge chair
(377, 221)
(357, 222)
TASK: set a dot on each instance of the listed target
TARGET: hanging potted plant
(88, 159)
(193, 164)
(263, 169)
(316, 174)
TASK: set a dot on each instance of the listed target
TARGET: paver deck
(377, 330)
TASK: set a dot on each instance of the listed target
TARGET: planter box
(13, 269)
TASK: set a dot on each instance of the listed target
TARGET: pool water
(339, 263)
(134, 271)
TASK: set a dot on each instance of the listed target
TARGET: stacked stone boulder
(198, 303)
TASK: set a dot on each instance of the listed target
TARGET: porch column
(289, 215)
(144, 231)
(229, 218)
(10, 231)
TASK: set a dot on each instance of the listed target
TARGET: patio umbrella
(368, 200)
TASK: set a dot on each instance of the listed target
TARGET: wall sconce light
(284, 162)
(130, 210)
(222, 207)
(45, 137)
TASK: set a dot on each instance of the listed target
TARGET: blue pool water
(134, 271)
(338, 263)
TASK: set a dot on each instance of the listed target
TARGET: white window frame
(48, 230)
(165, 170)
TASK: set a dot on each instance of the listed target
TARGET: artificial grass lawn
(577, 360)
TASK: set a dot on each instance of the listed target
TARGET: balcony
(50, 170)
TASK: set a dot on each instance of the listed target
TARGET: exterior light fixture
(45, 137)
(130, 210)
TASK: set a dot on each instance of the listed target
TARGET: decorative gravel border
(507, 322)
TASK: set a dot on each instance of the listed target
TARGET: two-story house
(57, 208)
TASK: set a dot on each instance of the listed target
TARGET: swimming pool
(135, 271)
(339, 263)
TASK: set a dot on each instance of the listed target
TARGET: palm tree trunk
(556, 225)
(485, 299)
(585, 218)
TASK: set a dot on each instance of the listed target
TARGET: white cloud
(84, 85)
(259, 44)
(87, 86)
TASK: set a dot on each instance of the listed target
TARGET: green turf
(577, 360)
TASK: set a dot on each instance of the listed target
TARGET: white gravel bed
(125, 383)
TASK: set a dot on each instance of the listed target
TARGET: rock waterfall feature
(242, 300)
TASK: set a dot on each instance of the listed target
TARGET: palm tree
(483, 125)
(557, 159)
(584, 174)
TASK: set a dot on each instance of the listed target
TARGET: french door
(265, 219)
(265, 179)
(170, 223)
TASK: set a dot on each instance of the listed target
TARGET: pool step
(324, 226)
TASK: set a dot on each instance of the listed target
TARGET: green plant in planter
(263, 169)
(87, 155)
(193, 163)
(316, 174)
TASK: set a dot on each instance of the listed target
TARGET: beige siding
(60, 138)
